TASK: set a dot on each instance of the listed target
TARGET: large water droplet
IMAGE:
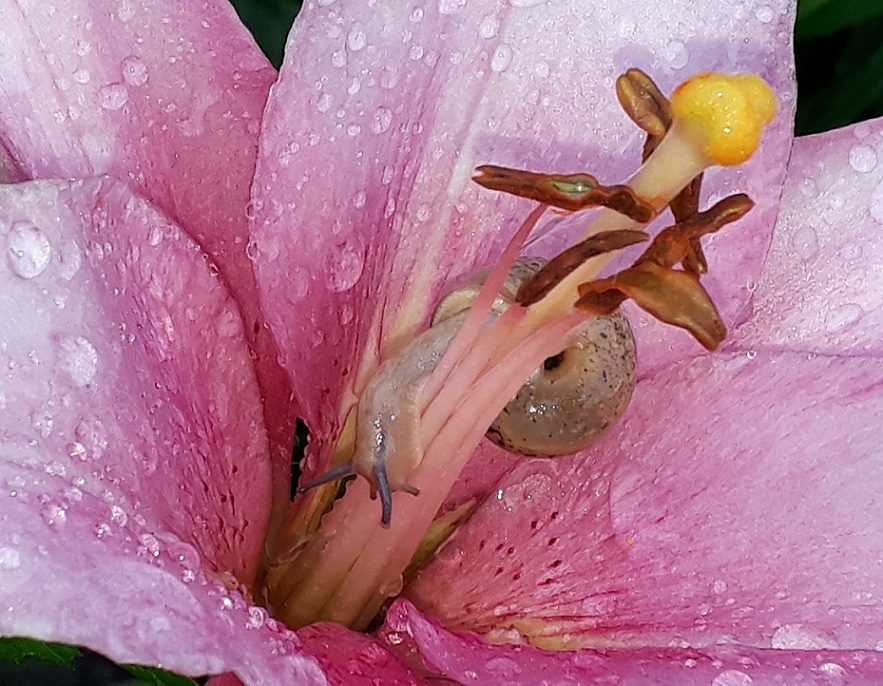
(450, 6)
(840, 318)
(382, 120)
(732, 677)
(10, 559)
(489, 26)
(78, 358)
(113, 96)
(356, 39)
(765, 14)
(135, 72)
(28, 250)
(502, 58)
(344, 267)
(797, 637)
(862, 158)
(805, 243)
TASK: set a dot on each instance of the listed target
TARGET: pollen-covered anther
(728, 112)
(672, 295)
(572, 192)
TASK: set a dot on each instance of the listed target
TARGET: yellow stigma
(729, 111)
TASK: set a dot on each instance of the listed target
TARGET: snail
(565, 406)
(575, 396)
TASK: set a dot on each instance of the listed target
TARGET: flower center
(425, 410)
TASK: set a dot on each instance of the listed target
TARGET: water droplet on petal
(765, 14)
(502, 58)
(805, 242)
(323, 104)
(489, 26)
(732, 677)
(862, 158)
(54, 515)
(840, 318)
(10, 559)
(114, 96)
(797, 637)
(343, 267)
(677, 54)
(28, 250)
(257, 617)
(526, 3)
(359, 199)
(450, 6)
(356, 39)
(78, 358)
(325, 3)
(876, 207)
(135, 72)
(382, 120)
(353, 130)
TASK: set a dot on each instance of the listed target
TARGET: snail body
(565, 406)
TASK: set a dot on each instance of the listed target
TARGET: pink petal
(364, 208)
(168, 95)
(468, 659)
(128, 596)
(127, 375)
(134, 453)
(821, 288)
(738, 501)
(353, 659)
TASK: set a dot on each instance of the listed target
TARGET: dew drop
(489, 27)
(843, 317)
(732, 677)
(876, 206)
(862, 158)
(359, 199)
(10, 559)
(526, 3)
(797, 637)
(805, 243)
(82, 76)
(323, 104)
(338, 59)
(29, 250)
(325, 3)
(382, 120)
(832, 669)
(113, 96)
(502, 58)
(257, 617)
(417, 15)
(677, 54)
(78, 358)
(135, 72)
(450, 6)
(415, 53)
(344, 267)
(151, 544)
(356, 39)
(54, 515)
(765, 14)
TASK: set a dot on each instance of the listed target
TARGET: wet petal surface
(363, 195)
(469, 660)
(821, 288)
(165, 96)
(744, 512)
(133, 452)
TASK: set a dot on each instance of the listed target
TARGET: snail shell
(575, 396)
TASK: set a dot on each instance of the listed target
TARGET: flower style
(725, 531)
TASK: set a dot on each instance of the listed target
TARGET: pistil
(346, 569)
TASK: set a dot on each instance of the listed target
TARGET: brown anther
(569, 192)
(674, 296)
(538, 286)
(671, 295)
(644, 103)
(674, 245)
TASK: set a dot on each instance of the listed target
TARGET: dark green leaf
(817, 18)
(17, 649)
(158, 677)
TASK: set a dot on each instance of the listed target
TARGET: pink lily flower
(725, 532)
